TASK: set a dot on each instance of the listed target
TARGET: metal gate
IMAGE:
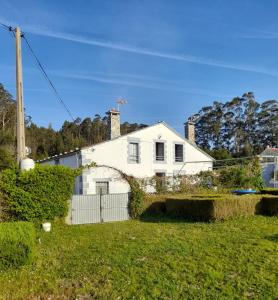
(87, 209)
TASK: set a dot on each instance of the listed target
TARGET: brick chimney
(114, 125)
(189, 130)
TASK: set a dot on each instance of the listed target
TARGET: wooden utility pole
(20, 125)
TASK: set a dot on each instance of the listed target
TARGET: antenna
(120, 101)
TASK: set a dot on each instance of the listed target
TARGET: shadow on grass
(161, 218)
(273, 238)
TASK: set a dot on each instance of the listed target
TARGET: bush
(247, 175)
(209, 208)
(270, 191)
(269, 206)
(17, 242)
(38, 194)
(136, 198)
(154, 204)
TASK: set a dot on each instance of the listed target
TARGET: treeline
(240, 127)
(46, 142)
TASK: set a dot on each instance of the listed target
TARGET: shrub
(236, 206)
(38, 194)
(190, 209)
(247, 175)
(17, 242)
(270, 191)
(136, 197)
(154, 204)
(217, 207)
(269, 206)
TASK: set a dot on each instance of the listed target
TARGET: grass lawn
(235, 259)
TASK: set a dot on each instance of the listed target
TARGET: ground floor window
(160, 181)
(102, 187)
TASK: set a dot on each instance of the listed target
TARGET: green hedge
(269, 206)
(17, 242)
(214, 208)
(38, 194)
(270, 191)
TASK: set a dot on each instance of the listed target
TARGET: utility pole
(20, 125)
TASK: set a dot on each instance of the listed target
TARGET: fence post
(100, 201)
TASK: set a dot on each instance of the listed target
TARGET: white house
(155, 150)
(269, 165)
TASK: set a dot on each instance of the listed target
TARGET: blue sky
(167, 58)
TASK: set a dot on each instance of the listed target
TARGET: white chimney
(114, 124)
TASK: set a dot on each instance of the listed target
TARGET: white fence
(86, 209)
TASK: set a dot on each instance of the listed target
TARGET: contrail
(149, 52)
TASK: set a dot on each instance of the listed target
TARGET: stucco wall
(115, 154)
(92, 175)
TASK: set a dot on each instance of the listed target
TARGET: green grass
(152, 259)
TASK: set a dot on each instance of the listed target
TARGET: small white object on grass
(46, 226)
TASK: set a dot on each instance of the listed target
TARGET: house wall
(114, 153)
(116, 183)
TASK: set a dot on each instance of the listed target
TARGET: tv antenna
(120, 101)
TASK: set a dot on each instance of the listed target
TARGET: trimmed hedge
(214, 208)
(17, 242)
(270, 191)
(38, 194)
(269, 206)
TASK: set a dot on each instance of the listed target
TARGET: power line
(42, 69)
(6, 26)
(40, 66)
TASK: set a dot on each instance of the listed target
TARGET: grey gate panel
(85, 209)
(114, 207)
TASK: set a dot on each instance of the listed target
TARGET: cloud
(137, 81)
(149, 52)
(42, 31)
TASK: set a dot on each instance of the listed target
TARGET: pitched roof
(272, 152)
(130, 133)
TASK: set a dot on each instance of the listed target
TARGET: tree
(242, 126)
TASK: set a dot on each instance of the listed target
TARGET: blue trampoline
(244, 192)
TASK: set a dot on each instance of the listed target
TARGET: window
(133, 152)
(102, 187)
(159, 151)
(178, 153)
(160, 182)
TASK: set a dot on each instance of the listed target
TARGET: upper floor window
(159, 151)
(178, 153)
(133, 152)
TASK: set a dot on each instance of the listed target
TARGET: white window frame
(131, 159)
(160, 161)
(178, 159)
